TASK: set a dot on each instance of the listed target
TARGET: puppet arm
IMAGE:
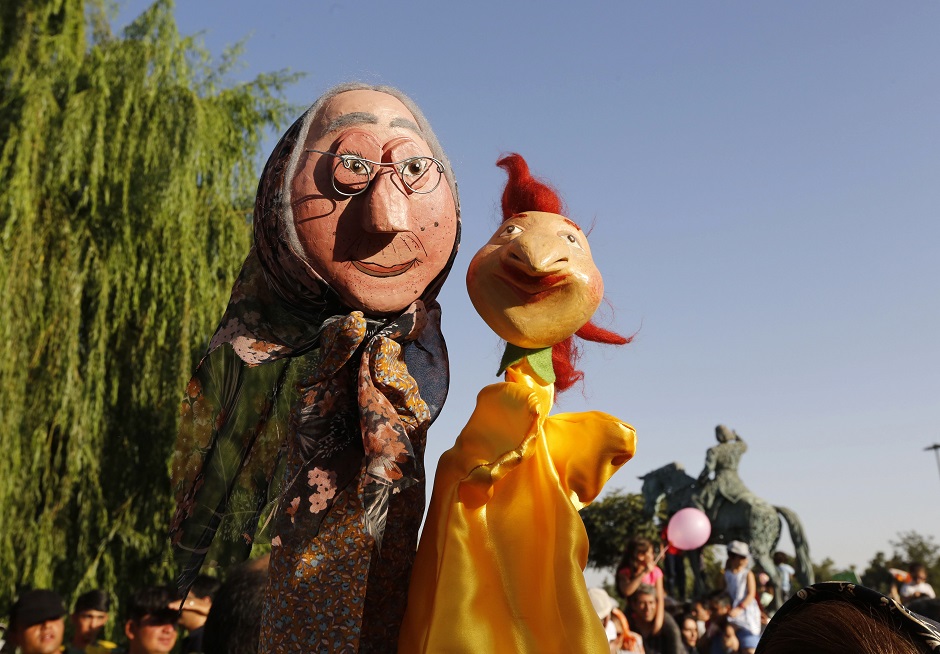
(587, 449)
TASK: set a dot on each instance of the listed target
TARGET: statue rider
(722, 462)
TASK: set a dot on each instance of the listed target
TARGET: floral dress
(330, 589)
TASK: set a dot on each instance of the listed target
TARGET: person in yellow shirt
(88, 619)
(500, 563)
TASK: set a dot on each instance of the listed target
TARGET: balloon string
(662, 553)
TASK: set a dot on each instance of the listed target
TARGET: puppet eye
(512, 230)
(414, 168)
(357, 165)
(573, 240)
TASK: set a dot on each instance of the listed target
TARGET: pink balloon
(688, 529)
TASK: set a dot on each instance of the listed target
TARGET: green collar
(539, 360)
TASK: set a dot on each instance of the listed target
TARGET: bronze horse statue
(752, 520)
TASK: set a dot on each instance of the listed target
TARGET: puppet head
(535, 283)
(365, 203)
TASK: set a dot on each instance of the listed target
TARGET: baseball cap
(36, 606)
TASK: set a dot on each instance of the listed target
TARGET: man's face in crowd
(151, 635)
(689, 632)
(87, 626)
(729, 639)
(644, 607)
(700, 612)
(379, 249)
(193, 611)
(43, 638)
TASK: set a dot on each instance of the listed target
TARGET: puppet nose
(387, 210)
(538, 254)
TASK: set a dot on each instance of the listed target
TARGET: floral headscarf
(234, 418)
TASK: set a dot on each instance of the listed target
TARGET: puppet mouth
(532, 287)
(377, 270)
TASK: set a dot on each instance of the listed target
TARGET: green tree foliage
(611, 522)
(823, 571)
(617, 518)
(127, 168)
(877, 576)
(713, 566)
(910, 547)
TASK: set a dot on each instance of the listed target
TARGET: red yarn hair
(524, 192)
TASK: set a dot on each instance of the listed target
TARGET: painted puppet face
(535, 283)
(380, 249)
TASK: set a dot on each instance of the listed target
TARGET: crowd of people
(213, 618)
(732, 618)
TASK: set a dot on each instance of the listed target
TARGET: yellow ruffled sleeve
(587, 449)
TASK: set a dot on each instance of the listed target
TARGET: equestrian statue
(734, 511)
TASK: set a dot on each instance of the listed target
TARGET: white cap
(602, 602)
(739, 548)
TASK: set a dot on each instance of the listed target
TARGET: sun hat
(602, 602)
(739, 548)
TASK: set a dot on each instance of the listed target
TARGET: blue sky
(762, 181)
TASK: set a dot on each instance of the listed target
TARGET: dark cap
(93, 600)
(922, 631)
(34, 607)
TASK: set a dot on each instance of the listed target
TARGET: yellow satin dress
(501, 558)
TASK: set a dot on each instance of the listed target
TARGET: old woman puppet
(501, 559)
(329, 365)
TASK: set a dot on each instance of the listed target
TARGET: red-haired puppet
(501, 558)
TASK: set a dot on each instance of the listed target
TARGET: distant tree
(713, 566)
(877, 576)
(127, 169)
(910, 547)
(823, 571)
(611, 522)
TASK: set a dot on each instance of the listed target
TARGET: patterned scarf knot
(387, 405)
